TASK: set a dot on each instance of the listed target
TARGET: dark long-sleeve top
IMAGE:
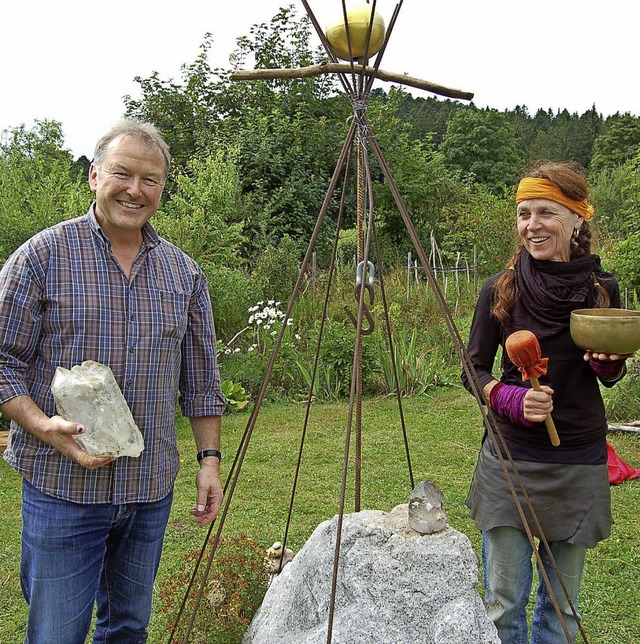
(578, 408)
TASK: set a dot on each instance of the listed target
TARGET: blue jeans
(508, 575)
(75, 555)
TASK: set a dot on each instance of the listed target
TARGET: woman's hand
(608, 367)
(538, 404)
(606, 357)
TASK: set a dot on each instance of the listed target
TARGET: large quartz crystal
(89, 394)
(426, 509)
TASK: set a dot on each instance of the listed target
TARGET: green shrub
(232, 293)
(337, 355)
(622, 401)
(245, 358)
(277, 269)
(235, 395)
(622, 258)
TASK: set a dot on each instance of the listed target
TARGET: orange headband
(534, 188)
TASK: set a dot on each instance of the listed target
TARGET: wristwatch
(209, 452)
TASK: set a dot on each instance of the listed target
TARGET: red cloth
(619, 470)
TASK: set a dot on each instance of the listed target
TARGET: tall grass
(424, 351)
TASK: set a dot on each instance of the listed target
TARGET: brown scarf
(549, 291)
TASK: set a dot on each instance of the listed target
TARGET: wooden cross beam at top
(346, 68)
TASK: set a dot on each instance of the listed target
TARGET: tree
(566, 141)
(428, 117)
(542, 120)
(480, 222)
(591, 124)
(609, 195)
(524, 127)
(563, 137)
(185, 112)
(483, 144)
(197, 110)
(39, 184)
(623, 255)
(201, 216)
(618, 142)
(425, 185)
(287, 135)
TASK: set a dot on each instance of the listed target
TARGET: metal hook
(358, 289)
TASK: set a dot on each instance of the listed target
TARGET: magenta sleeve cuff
(508, 401)
(607, 370)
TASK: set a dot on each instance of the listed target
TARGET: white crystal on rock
(89, 394)
(426, 509)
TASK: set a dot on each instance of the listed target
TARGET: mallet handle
(548, 421)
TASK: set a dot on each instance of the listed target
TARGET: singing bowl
(358, 18)
(606, 330)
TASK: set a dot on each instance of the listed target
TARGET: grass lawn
(444, 437)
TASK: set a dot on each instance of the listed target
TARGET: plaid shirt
(63, 300)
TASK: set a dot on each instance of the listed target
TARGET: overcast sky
(73, 60)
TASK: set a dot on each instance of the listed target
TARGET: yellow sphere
(358, 18)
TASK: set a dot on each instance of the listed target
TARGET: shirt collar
(150, 238)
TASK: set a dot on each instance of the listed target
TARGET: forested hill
(543, 135)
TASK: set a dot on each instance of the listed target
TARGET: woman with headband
(552, 273)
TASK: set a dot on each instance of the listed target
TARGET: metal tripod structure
(357, 78)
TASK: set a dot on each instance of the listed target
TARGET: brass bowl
(606, 330)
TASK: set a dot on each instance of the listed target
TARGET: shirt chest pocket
(164, 316)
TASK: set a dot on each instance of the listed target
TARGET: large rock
(394, 586)
(89, 394)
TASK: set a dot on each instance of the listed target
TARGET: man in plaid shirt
(106, 287)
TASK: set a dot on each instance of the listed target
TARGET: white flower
(297, 337)
(250, 349)
(258, 321)
(289, 321)
(236, 350)
(271, 302)
(227, 352)
(273, 332)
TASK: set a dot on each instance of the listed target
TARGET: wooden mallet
(524, 351)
